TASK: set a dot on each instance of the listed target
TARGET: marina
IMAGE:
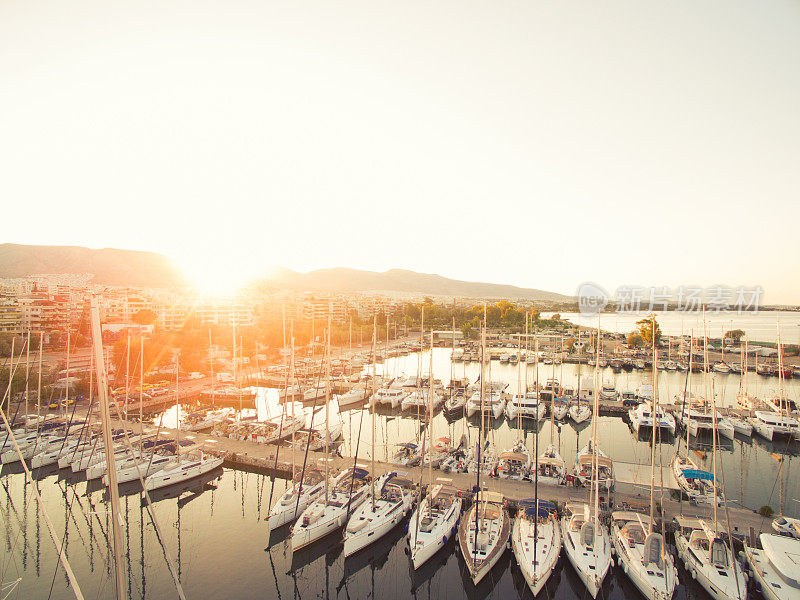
(269, 464)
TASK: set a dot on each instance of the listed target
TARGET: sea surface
(761, 326)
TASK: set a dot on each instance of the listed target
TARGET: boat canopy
(602, 461)
(515, 456)
(545, 507)
(530, 511)
(406, 445)
(697, 474)
(359, 473)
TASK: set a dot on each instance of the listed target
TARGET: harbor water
(215, 533)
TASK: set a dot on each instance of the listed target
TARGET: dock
(632, 489)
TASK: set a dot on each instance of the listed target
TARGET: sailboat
(433, 523)
(640, 548)
(580, 413)
(699, 485)
(181, 469)
(702, 548)
(378, 515)
(435, 519)
(340, 498)
(587, 543)
(774, 566)
(536, 541)
(389, 500)
(484, 531)
(709, 559)
(536, 536)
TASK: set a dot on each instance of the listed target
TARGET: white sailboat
(340, 498)
(296, 499)
(642, 555)
(483, 534)
(484, 531)
(389, 499)
(514, 463)
(775, 566)
(709, 559)
(433, 523)
(195, 464)
(536, 541)
(379, 514)
(587, 543)
(331, 510)
(580, 413)
(640, 548)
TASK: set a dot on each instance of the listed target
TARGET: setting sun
(218, 275)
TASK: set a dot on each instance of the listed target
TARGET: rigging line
(308, 444)
(83, 427)
(55, 569)
(72, 516)
(61, 555)
(12, 370)
(286, 401)
(13, 543)
(146, 495)
(728, 525)
(87, 519)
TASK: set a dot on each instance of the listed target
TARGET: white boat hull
(287, 509)
(425, 544)
(181, 472)
(547, 548)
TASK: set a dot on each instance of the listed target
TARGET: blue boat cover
(697, 474)
(359, 473)
(545, 507)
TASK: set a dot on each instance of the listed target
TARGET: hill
(108, 265)
(148, 269)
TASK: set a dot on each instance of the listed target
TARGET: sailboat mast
(66, 386)
(327, 400)
(127, 373)
(211, 364)
(290, 396)
(596, 467)
(480, 438)
(714, 449)
(688, 380)
(39, 390)
(452, 364)
(27, 375)
(141, 387)
(430, 419)
(372, 454)
(177, 409)
(102, 387)
(653, 407)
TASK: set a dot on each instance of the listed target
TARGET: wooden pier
(269, 459)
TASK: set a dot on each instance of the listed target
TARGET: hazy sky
(537, 143)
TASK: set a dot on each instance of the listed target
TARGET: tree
(635, 340)
(648, 329)
(144, 317)
(735, 334)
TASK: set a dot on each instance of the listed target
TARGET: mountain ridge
(137, 268)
